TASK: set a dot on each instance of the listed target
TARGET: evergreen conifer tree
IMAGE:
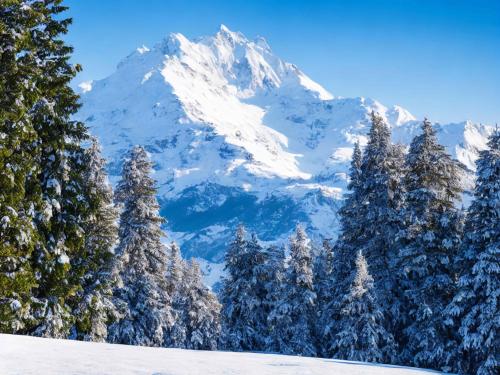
(370, 221)
(142, 294)
(323, 268)
(235, 332)
(43, 204)
(475, 307)
(18, 167)
(60, 157)
(343, 258)
(258, 261)
(362, 336)
(378, 215)
(243, 295)
(203, 312)
(323, 273)
(298, 305)
(94, 308)
(396, 224)
(431, 238)
(178, 289)
(275, 287)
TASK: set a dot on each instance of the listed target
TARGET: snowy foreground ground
(23, 355)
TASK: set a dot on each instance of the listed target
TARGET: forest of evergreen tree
(412, 279)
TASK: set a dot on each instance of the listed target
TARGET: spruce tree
(378, 215)
(234, 332)
(362, 336)
(243, 295)
(475, 307)
(275, 289)
(431, 238)
(346, 245)
(323, 273)
(202, 311)
(298, 304)
(142, 296)
(178, 289)
(370, 221)
(323, 269)
(17, 167)
(259, 260)
(396, 224)
(343, 259)
(94, 308)
(59, 184)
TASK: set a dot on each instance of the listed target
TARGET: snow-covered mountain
(239, 135)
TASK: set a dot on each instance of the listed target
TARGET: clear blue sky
(436, 58)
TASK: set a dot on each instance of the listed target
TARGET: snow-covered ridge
(237, 134)
(24, 355)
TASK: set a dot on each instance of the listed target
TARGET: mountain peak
(225, 119)
(232, 36)
(224, 29)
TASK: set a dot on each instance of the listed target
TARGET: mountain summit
(239, 135)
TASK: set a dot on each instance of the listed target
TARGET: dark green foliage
(17, 167)
(43, 198)
(61, 169)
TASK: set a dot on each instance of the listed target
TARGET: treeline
(412, 279)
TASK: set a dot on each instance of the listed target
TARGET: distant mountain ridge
(239, 135)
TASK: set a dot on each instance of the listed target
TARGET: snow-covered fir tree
(475, 309)
(431, 238)
(142, 295)
(362, 336)
(259, 262)
(60, 177)
(345, 247)
(378, 215)
(178, 289)
(370, 222)
(235, 332)
(323, 269)
(396, 164)
(343, 259)
(323, 274)
(275, 287)
(18, 168)
(243, 295)
(202, 311)
(95, 309)
(298, 303)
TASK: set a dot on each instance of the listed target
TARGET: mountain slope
(24, 355)
(238, 135)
